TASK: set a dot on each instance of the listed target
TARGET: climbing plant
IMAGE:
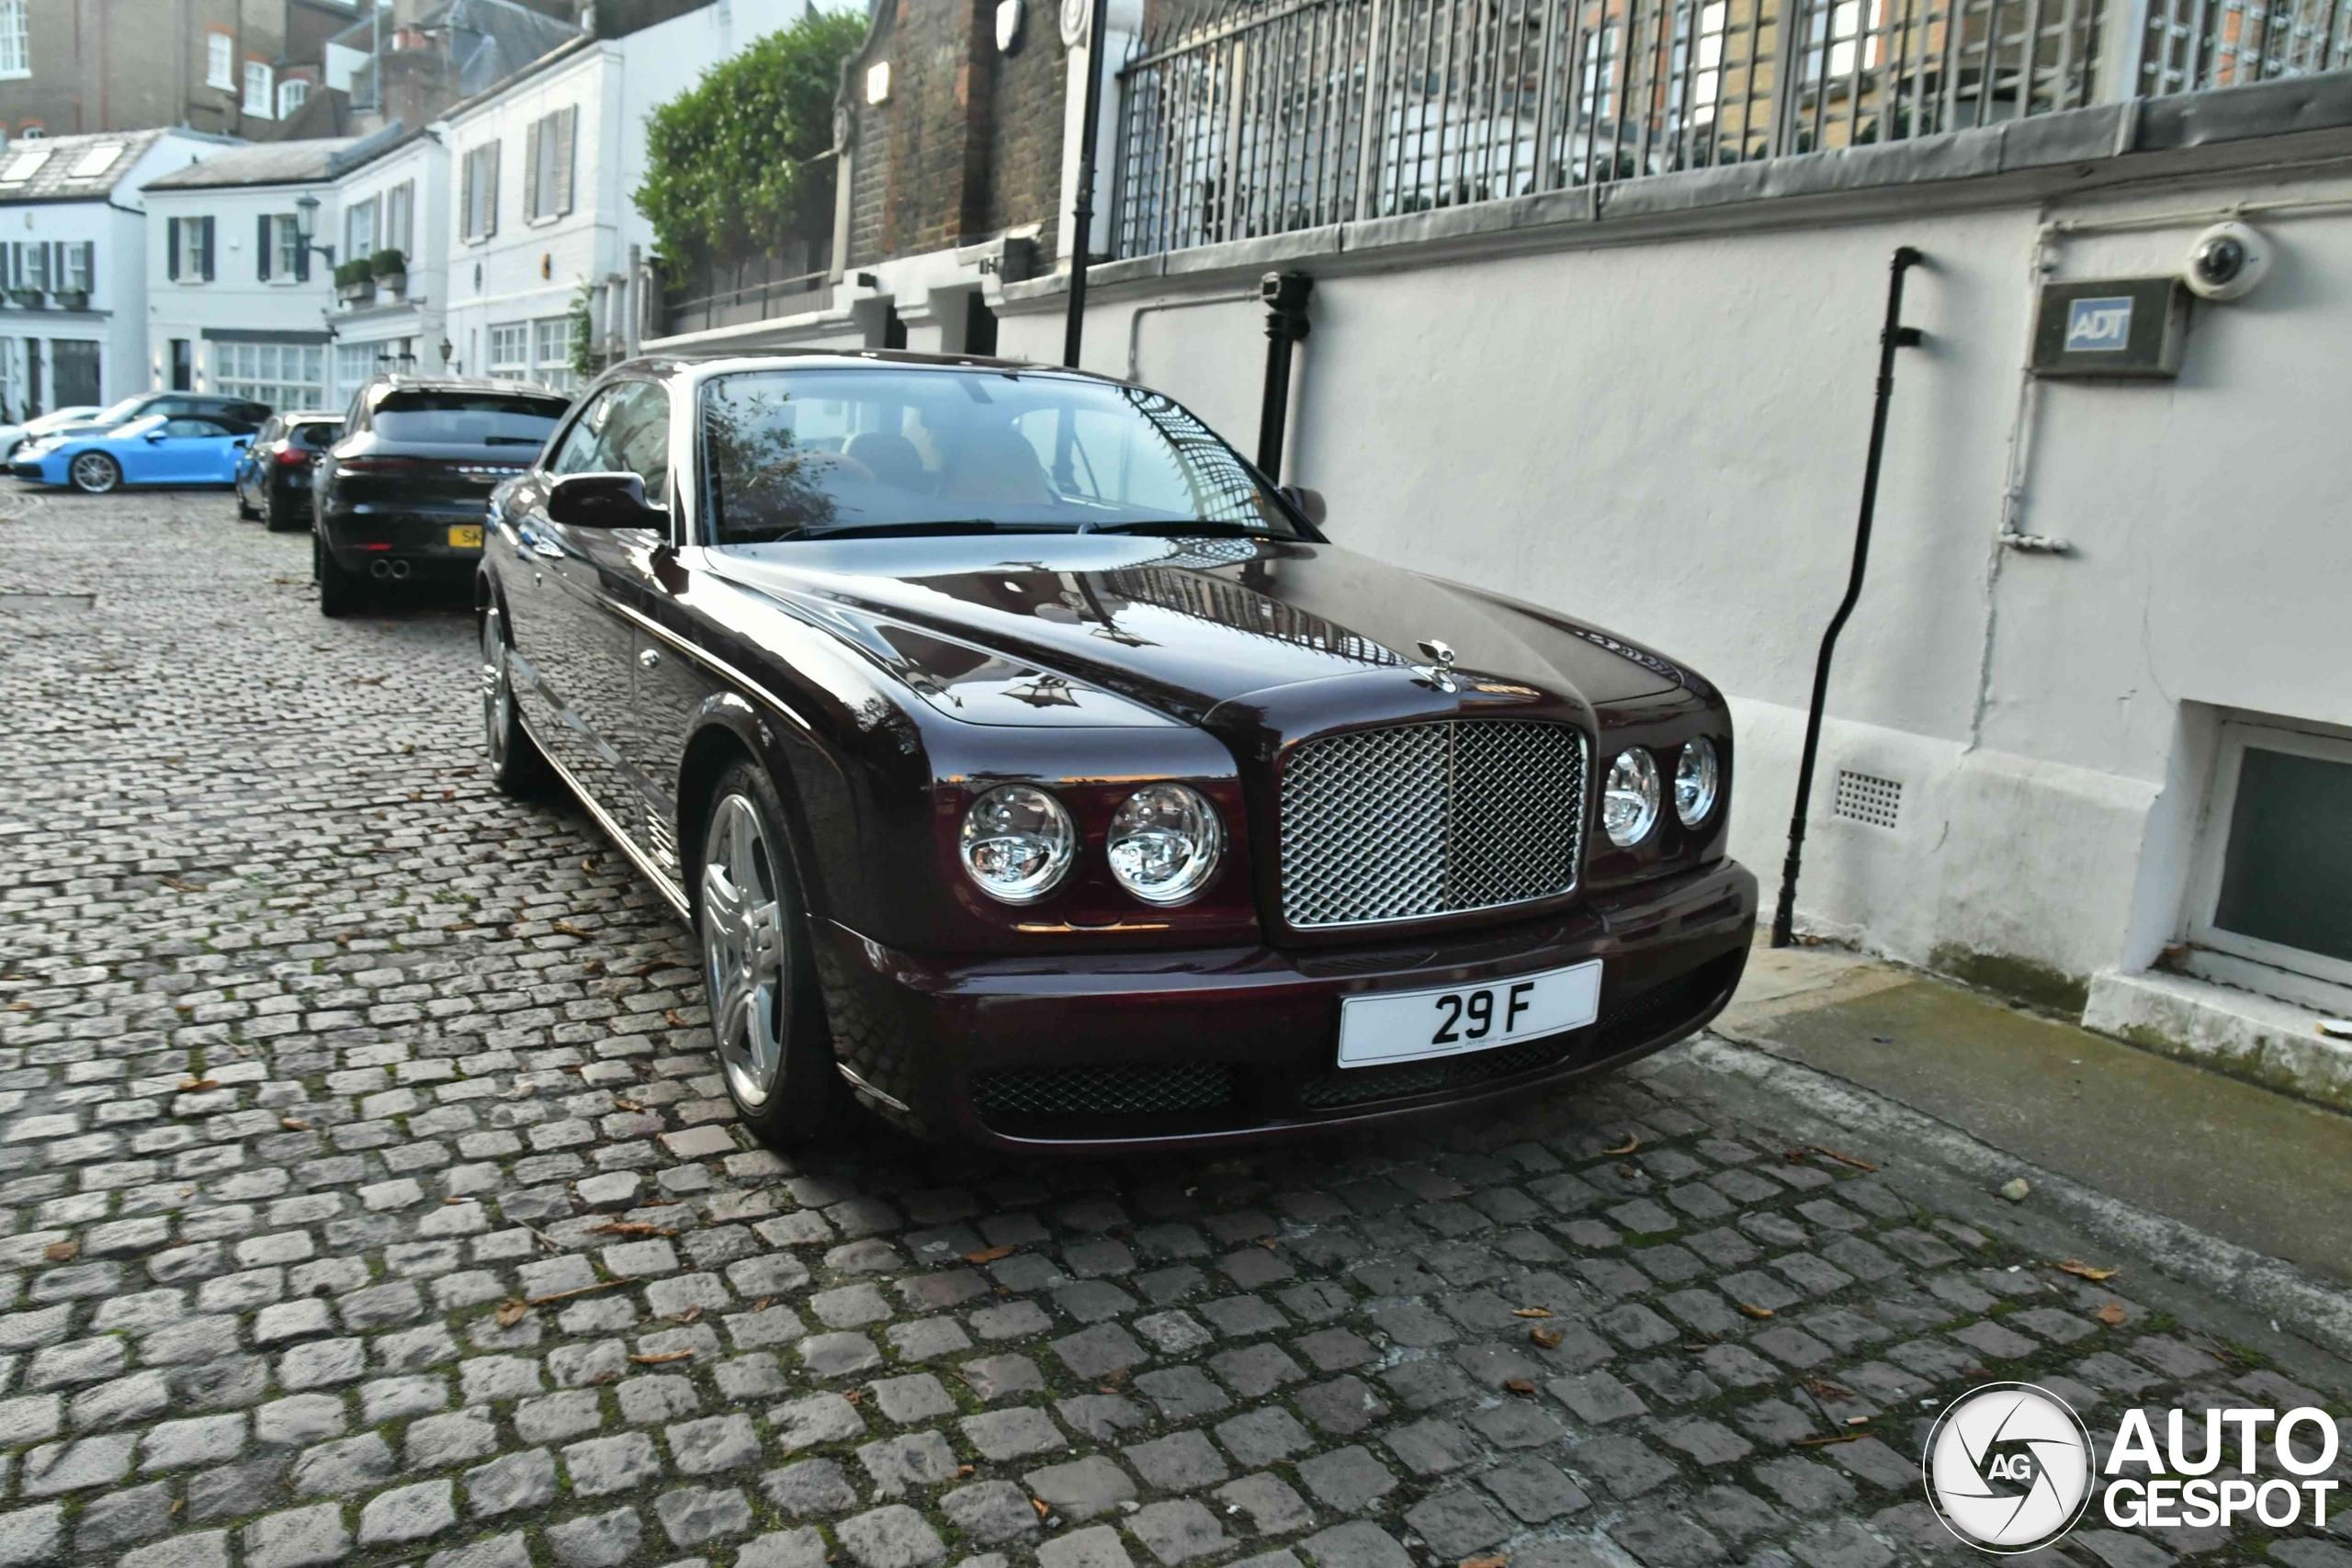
(733, 165)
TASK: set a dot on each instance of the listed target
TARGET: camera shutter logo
(2100, 325)
(2008, 1467)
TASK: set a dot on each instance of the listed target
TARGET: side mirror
(1310, 503)
(242, 441)
(154, 437)
(602, 501)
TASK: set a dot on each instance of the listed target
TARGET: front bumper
(1212, 1047)
(419, 535)
(35, 471)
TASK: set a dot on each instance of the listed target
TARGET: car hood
(1177, 625)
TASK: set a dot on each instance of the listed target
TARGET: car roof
(312, 416)
(391, 383)
(839, 358)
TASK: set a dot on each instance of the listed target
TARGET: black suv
(404, 492)
(274, 474)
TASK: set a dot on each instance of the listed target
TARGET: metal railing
(1259, 117)
(746, 291)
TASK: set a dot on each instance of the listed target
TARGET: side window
(636, 436)
(192, 427)
(580, 451)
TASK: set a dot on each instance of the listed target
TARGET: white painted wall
(418, 317)
(535, 271)
(1667, 436)
(236, 300)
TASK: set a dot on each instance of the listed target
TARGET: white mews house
(74, 265)
(237, 301)
(542, 172)
(392, 192)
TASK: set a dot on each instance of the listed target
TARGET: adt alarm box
(2120, 327)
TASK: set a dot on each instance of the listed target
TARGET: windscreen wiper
(1180, 526)
(942, 527)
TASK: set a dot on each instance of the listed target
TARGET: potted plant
(389, 269)
(73, 299)
(354, 281)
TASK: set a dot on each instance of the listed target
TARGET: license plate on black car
(1380, 1027)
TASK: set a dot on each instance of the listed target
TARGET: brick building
(231, 67)
(959, 127)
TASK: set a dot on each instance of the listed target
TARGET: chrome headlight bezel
(1698, 781)
(1044, 819)
(1630, 797)
(1195, 824)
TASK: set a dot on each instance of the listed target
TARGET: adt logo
(2097, 326)
(2008, 1468)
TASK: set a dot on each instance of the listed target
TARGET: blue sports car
(156, 450)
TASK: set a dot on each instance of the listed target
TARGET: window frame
(2214, 845)
(477, 188)
(496, 369)
(220, 59)
(286, 249)
(258, 73)
(301, 90)
(15, 39)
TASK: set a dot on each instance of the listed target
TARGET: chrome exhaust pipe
(400, 570)
(379, 569)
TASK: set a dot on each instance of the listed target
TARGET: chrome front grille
(1421, 820)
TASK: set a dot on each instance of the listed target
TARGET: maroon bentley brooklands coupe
(1029, 766)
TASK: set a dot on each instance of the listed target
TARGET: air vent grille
(1867, 798)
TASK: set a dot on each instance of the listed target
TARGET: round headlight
(1695, 774)
(1018, 843)
(1629, 800)
(1164, 842)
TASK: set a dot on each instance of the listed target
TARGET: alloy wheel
(746, 955)
(93, 472)
(497, 694)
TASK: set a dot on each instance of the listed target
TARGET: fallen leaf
(197, 1086)
(1039, 1504)
(1823, 1442)
(627, 1104)
(763, 1304)
(2075, 1266)
(1117, 1376)
(1796, 1157)
(1267, 1242)
(1844, 1159)
(589, 866)
(1532, 1311)
(963, 1470)
(1497, 1560)
(659, 1357)
(2111, 1314)
(2016, 1188)
(1520, 1386)
(1821, 1388)
(628, 1227)
(371, 680)
(688, 1316)
(1549, 1338)
(177, 885)
(853, 1396)
(988, 1254)
(594, 966)
(61, 1251)
(293, 1123)
(512, 1310)
(566, 927)
(674, 1019)
(1754, 1311)
(1633, 1141)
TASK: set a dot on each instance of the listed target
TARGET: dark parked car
(274, 478)
(1028, 763)
(402, 492)
(238, 416)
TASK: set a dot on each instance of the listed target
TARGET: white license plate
(1378, 1027)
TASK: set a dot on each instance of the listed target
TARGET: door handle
(649, 657)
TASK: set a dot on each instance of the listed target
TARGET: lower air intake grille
(1420, 820)
(1146, 1088)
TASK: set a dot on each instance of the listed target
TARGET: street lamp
(306, 223)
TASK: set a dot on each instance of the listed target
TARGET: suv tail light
(291, 456)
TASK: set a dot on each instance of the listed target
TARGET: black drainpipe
(1284, 294)
(1891, 336)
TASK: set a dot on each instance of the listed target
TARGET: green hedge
(387, 263)
(729, 162)
(353, 271)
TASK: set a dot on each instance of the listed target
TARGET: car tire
(244, 512)
(94, 473)
(341, 592)
(280, 518)
(767, 1017)
(517, 767)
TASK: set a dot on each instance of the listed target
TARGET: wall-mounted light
(1009, 31)
(877, 82)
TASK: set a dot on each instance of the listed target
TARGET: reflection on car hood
(1177, 624)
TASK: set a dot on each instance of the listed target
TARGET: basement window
(2276, 875)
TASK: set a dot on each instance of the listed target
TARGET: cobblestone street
(367, 1192)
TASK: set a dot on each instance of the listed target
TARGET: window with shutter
(82, 265)
(567, 139)
(490, 203)
(262, 249)
(534, 164)
(466, 199)
(172, 250)
(207, 232)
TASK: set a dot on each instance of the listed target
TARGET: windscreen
(467, 419)
(802, 453)
(122, 409)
